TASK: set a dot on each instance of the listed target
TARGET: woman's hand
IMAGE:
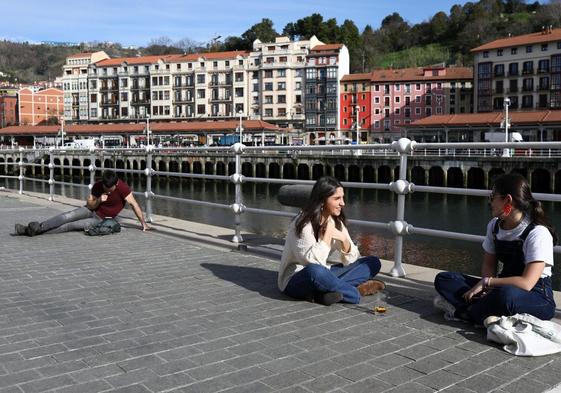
(478, 290)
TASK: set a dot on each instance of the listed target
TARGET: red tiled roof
(327, 47)
(138, 128)
(410, 74)
(526, 39)
(357, 77)
(417, 74)
(491, 118)
(83, 54)
(130, 60)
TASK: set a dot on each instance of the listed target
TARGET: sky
(137, 22)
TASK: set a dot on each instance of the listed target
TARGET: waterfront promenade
(180, 309)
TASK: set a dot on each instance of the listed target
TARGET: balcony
(182, 100)
(527, 71)
(220, 99)
(528, 88)
(543, 70)
(144, 101)
(512, 90)
(109, 103)
(513, 73)
(543, 87)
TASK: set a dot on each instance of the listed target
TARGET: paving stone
(171, 315)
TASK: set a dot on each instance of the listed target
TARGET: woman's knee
(373, 264)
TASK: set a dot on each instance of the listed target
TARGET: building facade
(40, 107)
(325, 67)
(75, 84)
(390, 99)
(525, 69)
(264, 84)
(8, 111)
(277, 81)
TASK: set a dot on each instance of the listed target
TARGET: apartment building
(525, 68)
(356, 98)
(398, 97)
(325, 67)
(75, 84)
(276, 71)
(267, 84)
(8, 110)
(39, 107)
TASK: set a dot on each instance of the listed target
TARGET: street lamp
(61, 131)
(241, 127)
(147, 129)
(506, 152)
(357, 124)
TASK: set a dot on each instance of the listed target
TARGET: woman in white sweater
(320, 262)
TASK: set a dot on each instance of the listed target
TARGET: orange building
(8, 111)
(36, 108)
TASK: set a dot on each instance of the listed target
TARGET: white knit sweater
(301, 251)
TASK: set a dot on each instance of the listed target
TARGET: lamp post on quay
(147, 129)
(62, 131)
(357, 124)
(506, 152)
(240, 128)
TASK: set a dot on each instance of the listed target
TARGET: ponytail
(538, 217)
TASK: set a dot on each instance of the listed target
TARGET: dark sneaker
(34, 228)
(328, 298)
(21, 230)
(370, 287)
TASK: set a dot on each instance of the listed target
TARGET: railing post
(148, 193)
(20, 177)
(238, 207)
(51, 173)
(402, 187)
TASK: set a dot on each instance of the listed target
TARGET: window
(543, 66)
(269, 112)
(428, 111)
(417, 86)
(418, 99)
(200, 93)
(499, 52)
(281, 73)
(499, 69)
(528, 67)
(268, 73)
(544, 47)
(201, 110)
(485, 54)
(200, 78)
(281, 99)
(513, 51)
(268, 86)
(93, 98)
(529, 49)
(268, 99)
(513, 69)
(281, 86)
(124, 96)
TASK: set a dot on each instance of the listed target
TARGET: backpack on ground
(105, 227)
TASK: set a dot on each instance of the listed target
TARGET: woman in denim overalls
(516, 271)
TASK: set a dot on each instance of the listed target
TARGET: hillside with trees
(445, 37)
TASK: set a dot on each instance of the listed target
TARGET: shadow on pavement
(252, 278)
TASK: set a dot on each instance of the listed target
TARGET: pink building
(401, 96)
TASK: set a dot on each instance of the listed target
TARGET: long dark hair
(517, 186)
(323, 189)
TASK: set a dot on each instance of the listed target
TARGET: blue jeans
(316, 278)
(500, 301)
(74, 220)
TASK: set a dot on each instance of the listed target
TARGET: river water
(455, 213)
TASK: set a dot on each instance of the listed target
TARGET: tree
(264, 31)
(395, 32)
(350, 36)
(161, 46)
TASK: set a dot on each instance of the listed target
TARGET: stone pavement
(168, 311)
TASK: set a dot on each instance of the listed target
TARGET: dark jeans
(316, 278)
(73, 220)
(500, 301)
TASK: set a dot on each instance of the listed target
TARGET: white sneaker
(443, 304)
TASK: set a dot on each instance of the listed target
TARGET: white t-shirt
(538, 245)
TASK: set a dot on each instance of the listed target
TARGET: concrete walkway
(179, 309)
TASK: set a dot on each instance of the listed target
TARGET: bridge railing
(403, 149)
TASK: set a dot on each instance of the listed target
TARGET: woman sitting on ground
(516, 271)
(320, 262)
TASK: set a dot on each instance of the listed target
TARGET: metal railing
(404, 148)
